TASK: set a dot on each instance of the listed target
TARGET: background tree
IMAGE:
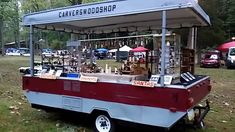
(34, 5)
(75, 2)
(230, 18)
(50, 37)
(221, 13)
(58, 3)
(13, 23)
(91, 1)
(47, 36)
(210, 37)
(3, 16)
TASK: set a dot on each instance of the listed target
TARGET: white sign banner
(104, 9)
(88, 79)
(143, 83)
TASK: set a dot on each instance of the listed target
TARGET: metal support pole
(117, 53)
(91, 54)
(31, 51)
(163, 48)
(195, 38)
(195, 46)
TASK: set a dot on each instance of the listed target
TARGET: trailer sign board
(88, 79)
(84, 11)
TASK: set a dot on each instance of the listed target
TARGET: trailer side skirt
(132, 113)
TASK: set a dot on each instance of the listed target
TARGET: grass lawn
(16, 115)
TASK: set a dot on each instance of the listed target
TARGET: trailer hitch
(202, 112)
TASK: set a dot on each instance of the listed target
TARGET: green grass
(220, 118)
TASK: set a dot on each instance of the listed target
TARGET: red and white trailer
(122, 97)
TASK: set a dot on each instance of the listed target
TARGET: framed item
(168, 79)
(191, 75)
(188, 77)
(58, 73)
(155, 78)
(182, 75)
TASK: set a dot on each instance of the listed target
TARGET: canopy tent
(125, 48)
(225, 47)
(112, 50)
(119, 15)
(140, 49)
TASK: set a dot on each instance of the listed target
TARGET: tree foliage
(230, 18)
(91, 1)
(213, 35)
(34, 5)
(75, 2)
(6, 13)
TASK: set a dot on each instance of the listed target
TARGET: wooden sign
(88, 79)
(143, 84)
(47, 76)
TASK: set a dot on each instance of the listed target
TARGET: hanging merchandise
(167, 58)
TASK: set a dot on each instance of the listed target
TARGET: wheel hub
(103, 123)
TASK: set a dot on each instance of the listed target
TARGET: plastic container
(73, 75)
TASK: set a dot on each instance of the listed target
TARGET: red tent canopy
(224, 47)
(139, 49)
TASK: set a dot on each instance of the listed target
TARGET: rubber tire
(112, 124)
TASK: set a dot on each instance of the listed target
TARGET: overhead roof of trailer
(119, 15)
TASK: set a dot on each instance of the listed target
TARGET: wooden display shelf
(187, 60)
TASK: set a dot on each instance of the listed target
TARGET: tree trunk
(17, 25)
(1, 35)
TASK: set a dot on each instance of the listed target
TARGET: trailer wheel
(103, 123)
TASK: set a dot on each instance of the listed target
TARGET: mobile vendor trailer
(131, 98)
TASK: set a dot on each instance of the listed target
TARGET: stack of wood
(136, 69)
(90, 68)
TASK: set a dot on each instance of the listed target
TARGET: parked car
(230, 61)
(100, 54)
(24, 51)
(46, 52)
(10, 50)
(211, 59)
(17, 52)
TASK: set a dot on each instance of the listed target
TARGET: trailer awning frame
(119, 15)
